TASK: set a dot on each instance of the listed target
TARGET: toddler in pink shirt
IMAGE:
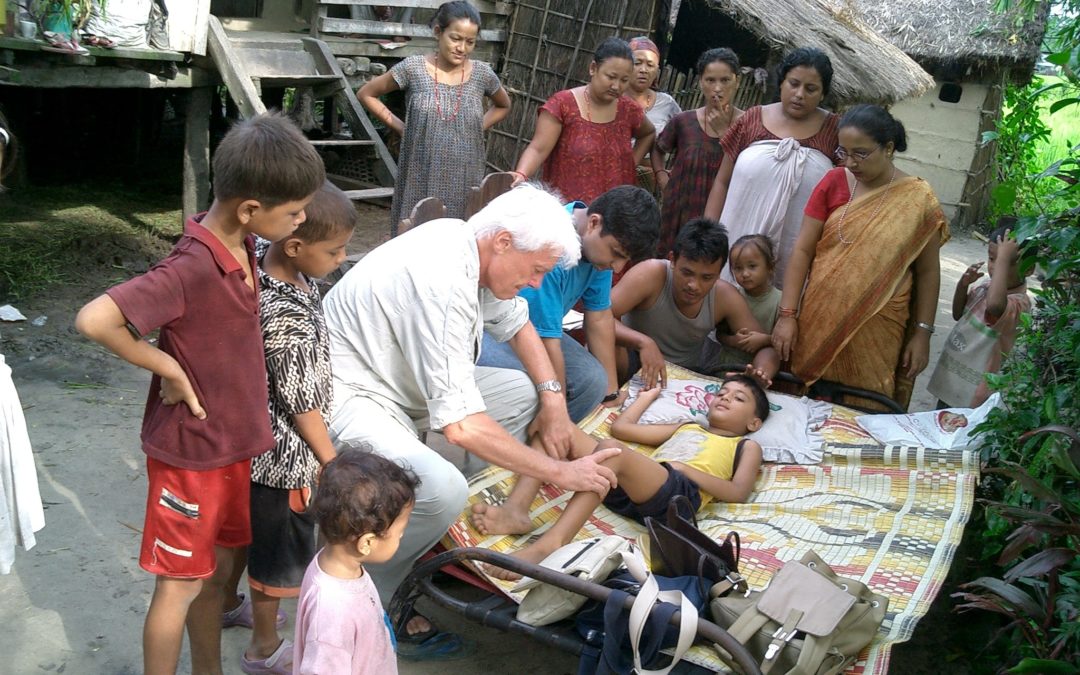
(362, 506)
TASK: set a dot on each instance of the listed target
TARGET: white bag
(947, 429)
(588, 559)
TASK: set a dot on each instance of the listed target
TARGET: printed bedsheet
(890, 516)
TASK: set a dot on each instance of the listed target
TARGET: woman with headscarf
(658, 106)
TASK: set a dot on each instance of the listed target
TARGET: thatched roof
(866, 67)
(964, 32)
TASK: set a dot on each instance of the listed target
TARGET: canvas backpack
(808, 621)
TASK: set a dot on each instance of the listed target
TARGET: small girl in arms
(752, 263)
(362, 505)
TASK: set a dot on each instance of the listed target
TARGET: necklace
(588, 103)
(840, 225)
(650, 100)
(461, 89)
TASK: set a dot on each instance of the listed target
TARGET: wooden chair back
(426, 209)
(493, 185)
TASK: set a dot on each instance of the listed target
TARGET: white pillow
(791, 435)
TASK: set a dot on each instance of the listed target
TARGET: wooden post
(196, 151)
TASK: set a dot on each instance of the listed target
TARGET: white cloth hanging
(21, 512)
(770, 185)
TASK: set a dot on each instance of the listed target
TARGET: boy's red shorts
(188, 513)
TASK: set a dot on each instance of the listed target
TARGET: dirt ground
(76, 602)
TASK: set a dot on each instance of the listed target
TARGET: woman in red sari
(583, 135)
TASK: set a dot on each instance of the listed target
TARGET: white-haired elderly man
(406, 324)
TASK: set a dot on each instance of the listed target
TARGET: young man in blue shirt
(620, 226)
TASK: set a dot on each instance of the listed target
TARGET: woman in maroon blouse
(774, 155)
(583, 135)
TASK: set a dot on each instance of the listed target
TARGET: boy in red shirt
(203, 297)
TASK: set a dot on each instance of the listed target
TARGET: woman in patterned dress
(694, 137)
(583, 135)
(442, 137)
(774, 156)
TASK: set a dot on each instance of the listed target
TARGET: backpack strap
(781, 638)
(747, 624)
(815, 658)
(650, 617)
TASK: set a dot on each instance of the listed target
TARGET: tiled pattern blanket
(889, 516)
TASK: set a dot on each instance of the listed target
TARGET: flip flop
(98, 41)
(438, 647)
(432, 644)
(61, 44)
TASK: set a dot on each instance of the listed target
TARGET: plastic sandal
(278, 663)
(241, 615)
(438, 647)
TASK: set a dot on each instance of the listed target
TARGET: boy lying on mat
(701, 462)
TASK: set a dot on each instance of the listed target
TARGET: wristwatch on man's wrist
(610, 397)
(549, 385)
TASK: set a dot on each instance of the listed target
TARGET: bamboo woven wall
(549, 48)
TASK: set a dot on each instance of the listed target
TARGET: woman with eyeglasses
(867, 254)
(774, 155)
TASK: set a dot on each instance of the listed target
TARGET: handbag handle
(674, 511)
(648, 597)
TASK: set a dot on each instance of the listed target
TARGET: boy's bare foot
(533, 553)
(502, 519)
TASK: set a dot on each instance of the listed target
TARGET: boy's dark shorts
(676, 484)
(282, 540)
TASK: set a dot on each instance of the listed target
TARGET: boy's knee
(610, 443)
(175, 590)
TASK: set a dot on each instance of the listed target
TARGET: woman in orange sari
(868, 257)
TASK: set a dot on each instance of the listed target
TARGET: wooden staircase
(303, 63)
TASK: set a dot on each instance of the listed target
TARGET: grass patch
(53, 235)
(1064, 128)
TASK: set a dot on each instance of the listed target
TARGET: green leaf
(1063, 103)
(1048, 666)
(1004, 197)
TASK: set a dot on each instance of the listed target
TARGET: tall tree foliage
(1031, 448)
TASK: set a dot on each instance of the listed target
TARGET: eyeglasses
(857, 155)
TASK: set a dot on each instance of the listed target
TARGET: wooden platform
(27, 64)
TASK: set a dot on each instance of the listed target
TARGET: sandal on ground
(98, 41)
(278, 663)
(241, 615)
(432, 644)
(62, 44)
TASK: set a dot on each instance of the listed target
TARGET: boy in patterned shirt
(298, 373)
